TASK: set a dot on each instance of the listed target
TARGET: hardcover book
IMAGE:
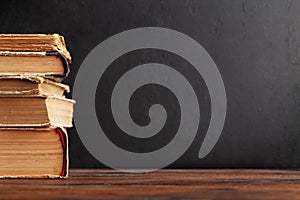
(33, 153)
(35, 111)
(35, 54)
(31, 85)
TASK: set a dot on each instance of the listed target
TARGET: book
(35, 111)
(33, 153)
(31, 85)
(36, 54)
(34, 43)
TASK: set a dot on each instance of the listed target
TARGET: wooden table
(163, 184)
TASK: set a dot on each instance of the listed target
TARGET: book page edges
(35, 79)
(57, 77)
(65, 168)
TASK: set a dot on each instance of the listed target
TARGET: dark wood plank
(163, 184)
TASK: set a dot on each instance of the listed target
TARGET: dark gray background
(255, 44)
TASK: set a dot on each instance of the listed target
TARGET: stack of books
(34, 112)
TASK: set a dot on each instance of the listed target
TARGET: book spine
(60, 77)
(64, 142)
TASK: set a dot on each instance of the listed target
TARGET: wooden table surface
(163, 184)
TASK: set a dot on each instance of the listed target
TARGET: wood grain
(163, 184)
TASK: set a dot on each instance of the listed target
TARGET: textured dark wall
(255, 44)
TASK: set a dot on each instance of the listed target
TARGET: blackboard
(254, 43)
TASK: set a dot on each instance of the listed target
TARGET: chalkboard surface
(254, 43)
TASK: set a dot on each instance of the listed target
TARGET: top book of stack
(34, 55)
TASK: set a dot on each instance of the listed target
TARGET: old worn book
(33, 153)
(35, 111)
(38, 54)
(31, 85)
(34, 43)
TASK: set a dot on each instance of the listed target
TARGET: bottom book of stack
(33, 153)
